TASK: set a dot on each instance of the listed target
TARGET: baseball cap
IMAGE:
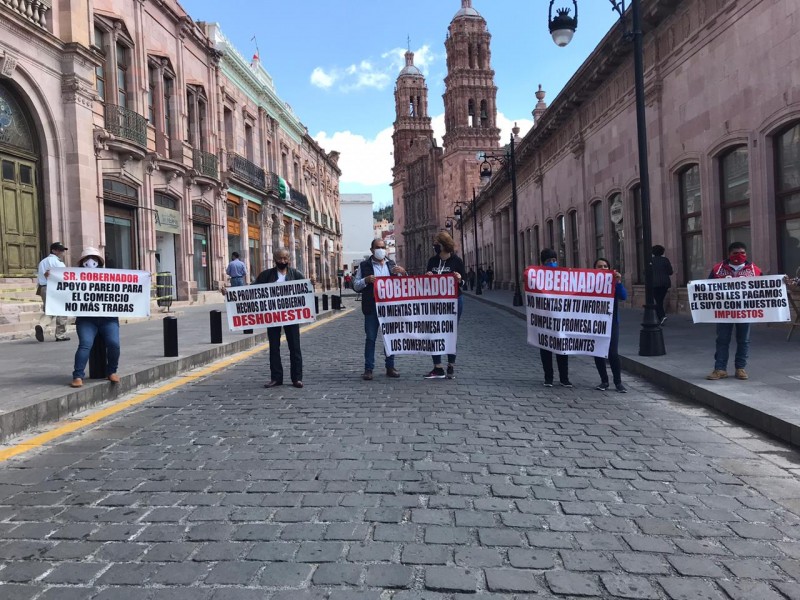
(57, 246)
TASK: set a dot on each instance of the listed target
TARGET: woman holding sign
(446, 261)
(89, 328)
(613, 353)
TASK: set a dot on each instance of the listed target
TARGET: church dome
(410, 69)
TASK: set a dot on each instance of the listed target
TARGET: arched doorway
(21, 210)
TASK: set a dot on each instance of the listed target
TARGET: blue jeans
(237, 281)
(88, 328)
(371, 327)
(724, 334)
(451, 358)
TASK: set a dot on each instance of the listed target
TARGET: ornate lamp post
(562, 28)
(508, 160)
(459, 217)
(459, 213)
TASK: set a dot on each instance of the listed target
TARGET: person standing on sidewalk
(620, 294)
(549, 259)
(446, 261)
(490, 277)
(471, 279)
(736, 265)
(54, 260)
(662, 271)
(369, 270)
(89, 328)
(236, 271)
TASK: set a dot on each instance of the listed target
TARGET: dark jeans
(724, 334)
(613, 358)
(295, 357)
(88, 328)
(371, 326)
(659, 293)
(451, 358)
(562, 360)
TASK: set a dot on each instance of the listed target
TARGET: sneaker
(451, 371)
(663, 320)
(367, 376)
(39, 333)
(436, 373)
(742, 374)
(548, 384)
(621, 388)
(717, 374)
(566, 384)
(76, 383)
(603, 386)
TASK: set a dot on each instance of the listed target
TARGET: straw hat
(92, 252)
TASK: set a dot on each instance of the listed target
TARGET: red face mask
(738, 258)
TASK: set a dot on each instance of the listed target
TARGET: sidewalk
(768, 401)
(35, 376)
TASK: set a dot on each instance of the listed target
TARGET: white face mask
(379, 253)
(91, 263)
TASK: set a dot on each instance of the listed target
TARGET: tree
(387, 212)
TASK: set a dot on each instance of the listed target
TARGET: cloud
(367, 73)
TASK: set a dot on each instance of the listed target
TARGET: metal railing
(248, 172)
(206, 163)
(299, 199)
(126, 124)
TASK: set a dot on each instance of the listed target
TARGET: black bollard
(316, 305)
(336, 302)
(98, 364)
(170, 336)
(324, 301)
(216, 326)
(247, 331)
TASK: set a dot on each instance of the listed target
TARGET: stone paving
(488, 486)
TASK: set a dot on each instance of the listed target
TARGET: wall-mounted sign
(167, 220)
(616, 211)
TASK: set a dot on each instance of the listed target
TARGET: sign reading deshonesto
(418, 314)
(570, 311)
(270, 305)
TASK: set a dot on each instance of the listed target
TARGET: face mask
(91, 263)
(551, 263)
(379, 253)
(281, 265)
(437, 248)
(738, 259)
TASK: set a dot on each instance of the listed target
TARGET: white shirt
(50, 262)
(282, 276)
(378, 269)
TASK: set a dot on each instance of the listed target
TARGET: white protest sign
(739, 299)
(570, 311)
(77, 292)
(419, 314)
(270, 305)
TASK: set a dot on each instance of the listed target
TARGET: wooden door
(20, 238)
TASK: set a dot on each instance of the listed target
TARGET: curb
(52, 410)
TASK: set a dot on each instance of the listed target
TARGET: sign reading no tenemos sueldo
(743, 299)
(270, 305)
(570, 311)
(77, 292)
(418, 314)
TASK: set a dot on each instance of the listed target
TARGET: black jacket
(271, 275)
(662, 269)
(368, 294)
(454, 264)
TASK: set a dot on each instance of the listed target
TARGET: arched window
(573, 235)
(691, 223)
(734, 177)
(472, 121)
(562, 241)
(787, 154)
(164, 200)
(535, 246)
(599, 219)
(550, 237)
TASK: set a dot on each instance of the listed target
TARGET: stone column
(506, 258)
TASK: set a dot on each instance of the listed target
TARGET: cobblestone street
(488, 486)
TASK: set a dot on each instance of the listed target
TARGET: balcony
(126, 124)
(33, 11)
(299, 199)
(248, 172)
(206, 164)
(272, 183)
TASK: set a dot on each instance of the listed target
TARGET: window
(122, 75)
(691, 223)
(169, 90)
(100, 70)
(152, 84)
(296, 174)
(615, 210)
(550, 236)
(161, 199)
(599, 230)
(284, 165)
(227, 118)
(562, 242)
(248, 142)
(196, 113)
(638, 228)
(787, 154)
(735, 191)
(573, 234)
(231, 210)
(535, 246)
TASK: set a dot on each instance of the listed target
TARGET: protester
(549, 259)
(736, 265)
(471, 278)
(89, 328)
(662, 270)
(236, 271)
(445, 261)
(54, 260)
(613, 347)
(375, 266)
(490, 277)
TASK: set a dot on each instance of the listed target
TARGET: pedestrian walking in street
(54, 260)
(471, 278)
(375, 266)
(236, 271)
(279, 273)
(549, 259)
(490, 277)
(662, 271)
(620, 294)
(736, 265)
(445, 261)
(89, 328)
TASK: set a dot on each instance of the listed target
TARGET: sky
(336, 62)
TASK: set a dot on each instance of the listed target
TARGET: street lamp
(562, 27)
(458, 216)
(449, 225)
(459, 213)
(508, 160)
